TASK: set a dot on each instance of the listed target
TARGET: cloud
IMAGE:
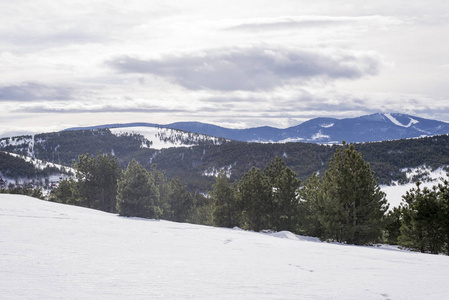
(30, 91)
(290, 24)
(88, 107)
(253, 68)
(301, 22)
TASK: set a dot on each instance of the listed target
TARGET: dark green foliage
(136, 192)
(425, 219)
(65, 146)
(284, 199)
(35, 193)
(225, 205)
(97, 178)
(161, 201)
(65, 192)
(392, 223)
(311, 207)
(16, 167)
(260, 200)
(255, 200)
(386, 158)
(204, 210)
(353, 205)
(181, 202)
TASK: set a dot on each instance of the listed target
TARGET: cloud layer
(31, 91)
(252, 69)
(239, 64)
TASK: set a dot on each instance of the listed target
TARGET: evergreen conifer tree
(224, 202)
(353, 204)
(97, 181)
(136, 192)
(423, 224)
(181, 202)
(284, 203)
(311, 207)
(255, 194)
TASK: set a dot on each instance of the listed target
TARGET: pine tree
(254, 196)
(224, 202)
(443, 195)
(423, 223)
(136, 192)
(161, 200)
(97, 181)
(181, 202)
(311, 207)
(284, 202)
(393, 222)
(353, 204)
(65, 192)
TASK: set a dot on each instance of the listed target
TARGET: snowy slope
(55, 251)
(428, 179)
(162, 138)
(40, 164)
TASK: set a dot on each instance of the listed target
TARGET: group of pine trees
(344, 205)
(422, 221)
(101, 184)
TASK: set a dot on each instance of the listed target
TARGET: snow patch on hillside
(424, 174)
(327, 125)
(396, 122)
(319, 136)
(291, 140)
(213, 172)
(163, 138)
(40, 164)
(56, 251)
(14, 141)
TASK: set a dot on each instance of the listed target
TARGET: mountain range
(368, 128)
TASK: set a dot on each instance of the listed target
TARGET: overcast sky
(231, 63)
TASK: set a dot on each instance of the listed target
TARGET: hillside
(30, 172)
(197, 159)
(369, 128)
(55, 251)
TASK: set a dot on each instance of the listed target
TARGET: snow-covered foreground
(55, 251)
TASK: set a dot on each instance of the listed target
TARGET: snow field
(54, 251)
(395, 192)
(156, 135)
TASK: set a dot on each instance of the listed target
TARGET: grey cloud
(252, 68)
(301, 22)
(290, 24)
(87, 109)
(30, 91)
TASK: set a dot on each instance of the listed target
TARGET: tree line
(345, 204)
(101, 184)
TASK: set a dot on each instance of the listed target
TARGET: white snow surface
(430, 178)
(319, 135)
(56, 251)
(396, 122)
(163, 138)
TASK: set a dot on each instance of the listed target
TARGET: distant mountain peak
(368, 128)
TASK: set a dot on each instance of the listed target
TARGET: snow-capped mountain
(369, 128)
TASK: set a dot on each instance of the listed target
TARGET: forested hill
(196, 164)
